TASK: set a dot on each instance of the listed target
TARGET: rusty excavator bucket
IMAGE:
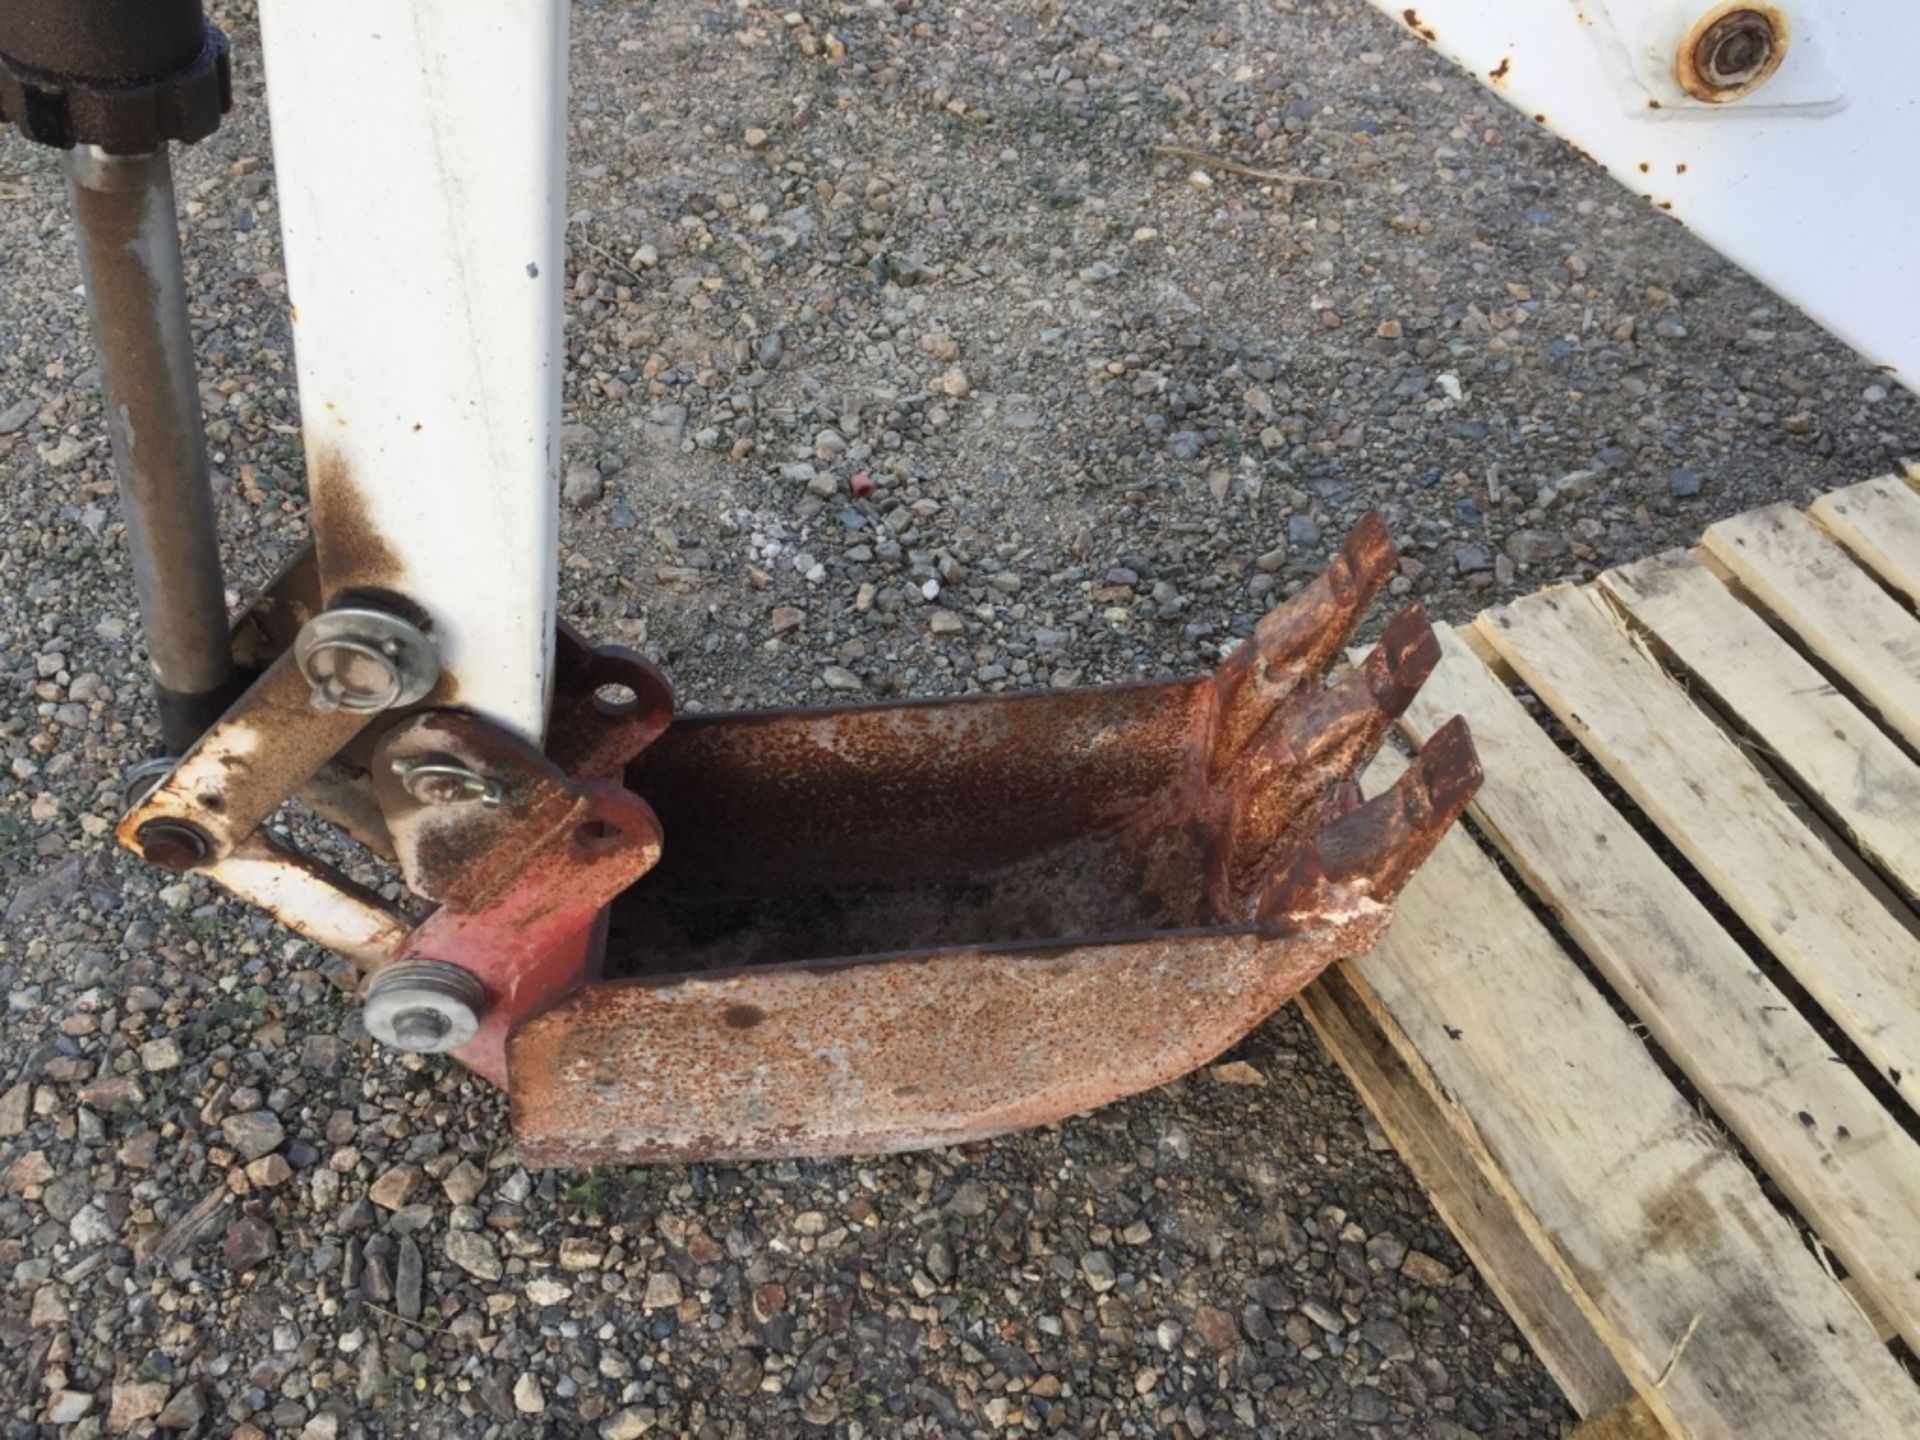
(891, 926)
(846, 930)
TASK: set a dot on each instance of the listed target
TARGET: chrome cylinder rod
(123, 211)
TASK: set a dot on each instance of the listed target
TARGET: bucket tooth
(1355, 867)
(1296, 643)
(1283, 781)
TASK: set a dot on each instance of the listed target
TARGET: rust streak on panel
(353, 554)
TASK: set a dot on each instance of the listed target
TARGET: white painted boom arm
(421, 151)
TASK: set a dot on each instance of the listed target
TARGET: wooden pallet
(1757, 704)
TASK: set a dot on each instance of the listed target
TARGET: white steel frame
(420, 147)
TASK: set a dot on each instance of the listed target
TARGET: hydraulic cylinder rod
(112, 83)
(123, 211)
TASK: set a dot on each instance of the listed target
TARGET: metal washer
(379, 638)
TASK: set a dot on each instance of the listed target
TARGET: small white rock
(67, 1406)
(628, 1424)
(90, 1226)
(1237, 1072)
(528, 1398)
(161, 1054)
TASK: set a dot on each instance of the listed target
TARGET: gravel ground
(902, 361)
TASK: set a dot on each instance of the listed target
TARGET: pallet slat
(1857, 961)
(1850, 1169)
(1879, 521)
(1480, 1218)
(1836, 609)
(1839, 755)
(1632, 1421)
(1724, 1323)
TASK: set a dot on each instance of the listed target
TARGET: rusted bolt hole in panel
(1731, 51)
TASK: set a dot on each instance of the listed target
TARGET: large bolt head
(427, 1007)
(172, 844)
(420, 1029)
(143, 778)
(347, 675)
(443, 780)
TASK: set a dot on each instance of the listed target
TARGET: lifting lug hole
(597, 835)
(615, 698)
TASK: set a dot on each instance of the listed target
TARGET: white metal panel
(1807, 182)
(420, 151)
